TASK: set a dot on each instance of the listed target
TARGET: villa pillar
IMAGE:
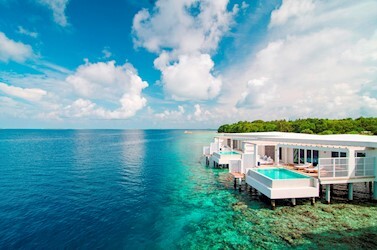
(371, 189)
(277, 156)
(293, 201)
(328, 196)
(255, 155)
(351, 162)
(350, 191)
(273, 204)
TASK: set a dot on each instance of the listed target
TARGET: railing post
(364, 165)
(333, 167)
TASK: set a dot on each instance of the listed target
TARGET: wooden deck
(237, 175)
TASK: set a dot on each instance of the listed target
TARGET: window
(338, 154)
(358, 154)
(309, 156)
(295, 155)
(280, 154)
(302, 155)
(334, 154)
(315, 157)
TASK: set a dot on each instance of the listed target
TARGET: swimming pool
(280, 174)
(280, 183)
(229, 153)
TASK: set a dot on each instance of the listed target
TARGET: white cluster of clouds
(318, 61)
(30, 94)
(11, 50)
(180, 115)
(171, 114)
(106, 81)
(184, 33)
(86, 93)
(291, 9)
(58, 10)
(190, 78)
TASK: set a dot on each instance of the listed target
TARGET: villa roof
(339, 140)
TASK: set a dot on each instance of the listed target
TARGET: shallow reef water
(147, 189)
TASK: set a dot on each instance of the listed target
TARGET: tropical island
(362, 125)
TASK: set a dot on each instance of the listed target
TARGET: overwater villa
(289, 165)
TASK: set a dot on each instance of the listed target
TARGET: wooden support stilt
(312, 201)
(375, 190)
(235, 183)
(240, 185)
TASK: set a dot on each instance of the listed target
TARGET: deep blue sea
(146, 189)
(98, 188)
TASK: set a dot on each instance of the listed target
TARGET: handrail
(343, 167)
(333, 167)
(364, 166)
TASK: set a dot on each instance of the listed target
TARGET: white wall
(261, 151)
(248, 148)
(290, 155)
(325, 154)
(247, 161)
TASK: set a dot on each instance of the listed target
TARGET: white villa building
(266, 161)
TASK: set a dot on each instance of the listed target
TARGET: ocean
(146, 189)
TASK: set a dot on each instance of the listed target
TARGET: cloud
(13, 51)
(201, 114)
(313, 69)
(257, 94)
(185, 26)
(81, 108)
(23, 31)
(106, 53)
(185, 34)
(171, 114)
(100, 90)
(189, 78)
(58, 10)
(290, 9)
(29, 94)
(106, 82)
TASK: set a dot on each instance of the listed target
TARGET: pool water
(281, 174)
(229, 153)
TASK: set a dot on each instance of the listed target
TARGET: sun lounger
(312, 170)
(303, 166)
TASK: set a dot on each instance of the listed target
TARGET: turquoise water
(142, 189)
(229, 153)
(280, 174)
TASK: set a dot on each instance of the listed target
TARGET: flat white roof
(341, 140)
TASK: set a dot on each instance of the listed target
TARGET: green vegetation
(360, 125)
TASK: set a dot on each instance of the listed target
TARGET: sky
(184, 63)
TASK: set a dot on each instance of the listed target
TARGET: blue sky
(184, 64)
